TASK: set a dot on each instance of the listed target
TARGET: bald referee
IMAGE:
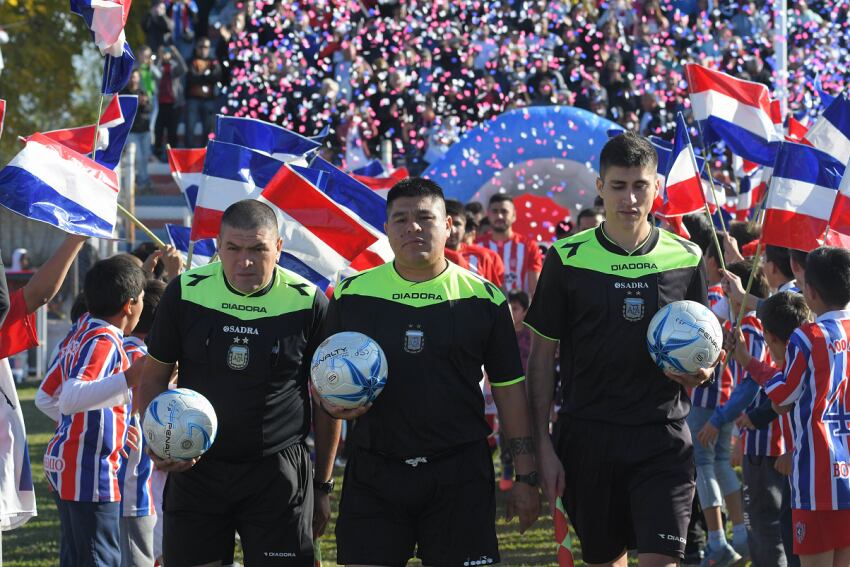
(622, 454)
(420, 475)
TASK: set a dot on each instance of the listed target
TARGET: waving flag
(51, 183)
(264, 137)
(115, 125)
(106, 20)
(187, 169)
(364, 204)
(372, 169)
(315, 230)
(17, 494)
(382, 185)
(117, 70)
(825, 98)
(683, 192)
(831, 132)
(752, 189)
(203, 251)
(231, 173)
(665, 153)
(735, 111)
(802, 193)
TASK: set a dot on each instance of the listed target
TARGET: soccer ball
(180, 424)
(349, 370)
(684, 336)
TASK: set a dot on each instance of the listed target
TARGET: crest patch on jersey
(238, 354)
(414, 340)
(633, 308)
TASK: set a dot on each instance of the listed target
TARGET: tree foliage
(52, 70)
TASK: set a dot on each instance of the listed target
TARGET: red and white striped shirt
(82, 459)
(815, 380)
(136, 470)
(484, 262)
(520, 255)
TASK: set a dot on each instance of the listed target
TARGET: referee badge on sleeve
(633, 308)
(414, 340)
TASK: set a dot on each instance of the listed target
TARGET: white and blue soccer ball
(180, 424)
(349, 370)
(684, 336)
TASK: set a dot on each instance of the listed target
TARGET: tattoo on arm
(521, 446)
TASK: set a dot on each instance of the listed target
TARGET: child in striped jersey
(766, 447)
(82, 459)
(813, 387)
(712, 440)
(138, 515)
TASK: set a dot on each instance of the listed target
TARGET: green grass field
(36, 544)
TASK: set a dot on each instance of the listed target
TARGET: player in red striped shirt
(476, 259)
(813, 386)
(83, 457)
(521, 256)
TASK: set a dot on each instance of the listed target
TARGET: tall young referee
(420, 476)
(622, 454)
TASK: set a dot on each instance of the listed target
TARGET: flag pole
(97, 125)
(141, 226)
(189, 254)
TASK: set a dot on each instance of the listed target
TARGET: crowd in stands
(419, 74)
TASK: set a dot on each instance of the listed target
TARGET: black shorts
(445, 509)
(269, 502)
(627, 487)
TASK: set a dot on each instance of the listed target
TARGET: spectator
(201, 83)
(157, 26)
(140, 131)
(171, 69)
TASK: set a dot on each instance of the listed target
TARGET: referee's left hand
(699, 377)
(321, 513)
(524, 502)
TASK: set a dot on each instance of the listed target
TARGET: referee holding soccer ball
(420, 475)
(622, 454)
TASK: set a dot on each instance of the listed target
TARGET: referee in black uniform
(621, 437)
(420, 475)
(243, 331)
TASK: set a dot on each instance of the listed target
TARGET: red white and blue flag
(735, 111)
(231, 173)
(202, 253)
(52, 183)
(106, 20)
(831, 132)
(801, 198)
(265, 137)
(682, 192)
(187, 170)
(316, 231)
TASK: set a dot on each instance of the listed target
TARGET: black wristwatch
(531, 479)
(326, 487)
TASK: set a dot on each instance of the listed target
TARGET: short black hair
(627, 150)
(110, 284)
(520, 297)
(828, 272)
(711, 251)
(153, 293)
(783, 312)
(454, 209)
(500, 198)
(471, 223)
(415, 187)
(590, 212)
(760, 287)
(799, 257)
(145, 249)
(699, 228)
(474, 207)
(744, 232)
(249, 214)
(781, 258)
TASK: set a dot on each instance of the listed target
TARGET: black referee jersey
(597, 300)
(248, 354)
(436, 335)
